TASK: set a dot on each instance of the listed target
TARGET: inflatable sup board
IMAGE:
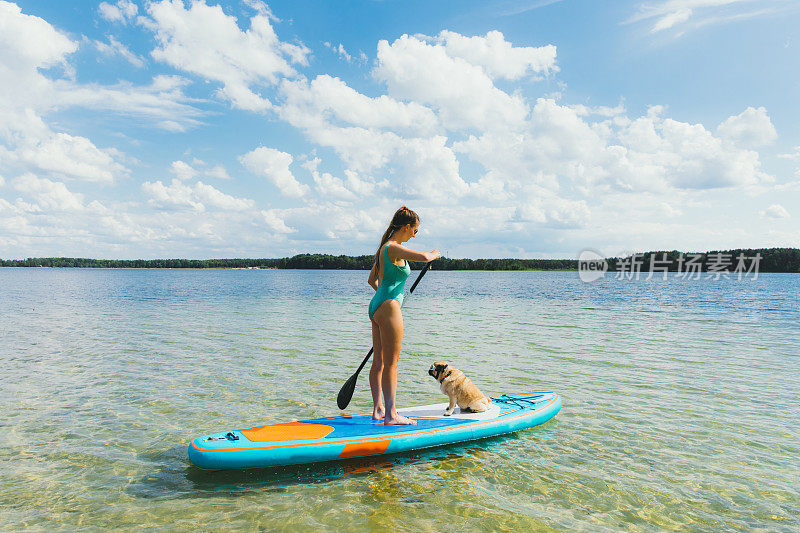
(342, 437)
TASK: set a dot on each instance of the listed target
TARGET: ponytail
(401, 217)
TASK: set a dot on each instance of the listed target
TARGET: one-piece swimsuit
(392, 284)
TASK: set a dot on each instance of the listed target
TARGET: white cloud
(198, 196)
(327, 221)
(350, 189)
(130, 230)
(343, 53)
(695, 159)
(462, 93)
(218, 172)
(261, 8)
(325, 98)
(182, 170)
(116, 48)
(162, 102)
(498, 57)
(678, 15)
(671, 19)
(123, 11)
(340, 51)
(49, 195)
(794, 156)
(428, 168)
(561, 151)
(175, 195)
(775, 211)
(240, 60)
(751, 128)
(363, 150)
(274, 165)
(445, 223)
(28, 42)
(554, 212)
(67, 156)
(275, 222)
(214, 198)
(327, 185)
(422, 164)
(600, 110)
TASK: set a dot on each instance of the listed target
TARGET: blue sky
(514, 128)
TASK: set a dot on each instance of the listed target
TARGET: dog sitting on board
(459, 389)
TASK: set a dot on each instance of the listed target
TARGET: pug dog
(459, 389)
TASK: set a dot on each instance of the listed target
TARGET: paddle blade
(346, 392)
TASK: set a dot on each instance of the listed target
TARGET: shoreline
(785, 260)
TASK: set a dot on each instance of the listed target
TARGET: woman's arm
(373, 277)
(398, 251)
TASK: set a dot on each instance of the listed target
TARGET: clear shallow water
(680, 400)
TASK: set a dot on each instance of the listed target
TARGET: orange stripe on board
(358, 449)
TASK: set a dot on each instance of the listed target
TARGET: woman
(391, 268)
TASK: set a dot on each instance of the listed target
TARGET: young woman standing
(388, 278)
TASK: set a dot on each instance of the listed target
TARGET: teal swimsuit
(392, 284)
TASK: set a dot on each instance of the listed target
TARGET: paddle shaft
(414, 286)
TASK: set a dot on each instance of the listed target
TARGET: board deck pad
(437, 411)
(339, 437)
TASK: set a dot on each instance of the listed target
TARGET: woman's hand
(373, 277)
(434, 255)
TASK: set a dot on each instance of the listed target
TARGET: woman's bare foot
(398, 420)
(378, 413)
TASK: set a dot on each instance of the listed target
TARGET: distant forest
(302, 261)
(772, 260)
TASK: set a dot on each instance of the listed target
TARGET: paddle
(346, 392)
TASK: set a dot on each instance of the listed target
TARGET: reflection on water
(680, 403)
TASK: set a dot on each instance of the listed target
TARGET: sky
(514, 128)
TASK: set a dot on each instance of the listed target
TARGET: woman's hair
(401, 217)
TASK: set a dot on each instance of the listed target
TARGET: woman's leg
(375, 373)
(390, 324)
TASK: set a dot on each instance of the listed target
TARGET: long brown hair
(401, 217)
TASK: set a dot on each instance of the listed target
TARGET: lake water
(680, 400)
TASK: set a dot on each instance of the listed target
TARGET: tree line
(301, 261)
(772, 260)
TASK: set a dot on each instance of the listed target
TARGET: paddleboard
(343, 437)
